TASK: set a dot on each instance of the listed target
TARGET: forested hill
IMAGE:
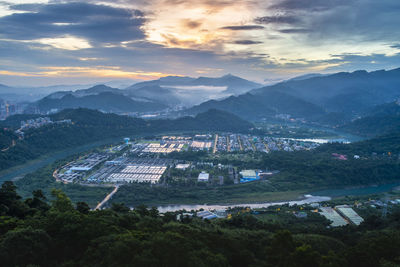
(39, 232)
(386, 144)
(268, 104)
(328, 99)
(211, 120)
(107, 101)
(381, 120)
(89, 126)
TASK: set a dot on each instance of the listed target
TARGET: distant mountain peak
(100, 86)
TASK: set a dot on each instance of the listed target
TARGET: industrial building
(76, 169)
(182, 166)
(333, 216)
(203, 177)
(248, 176)
(348, 213)
(206, 215)
(165, 148)
(138, 173)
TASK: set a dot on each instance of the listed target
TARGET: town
(148, 161)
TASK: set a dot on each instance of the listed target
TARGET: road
(215, 144)
(107, 198)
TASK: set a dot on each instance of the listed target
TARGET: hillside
(380, 145)
(189, 91)
(327, 99)
(233, 84)
(267, 104)
(105, 101)
(211, 120)
(63, 233)
(380, 120)
(156, 93)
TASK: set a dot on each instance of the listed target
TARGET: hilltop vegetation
(6, 139)
(381, 120)
(267, 104)
(42, 232)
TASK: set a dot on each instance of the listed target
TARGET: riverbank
(17, 172)
(306, 200)
(285, 197)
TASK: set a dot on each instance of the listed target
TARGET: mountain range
(104, 101)
(156, 95)
(330, 99)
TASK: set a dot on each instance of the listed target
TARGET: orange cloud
(99, 71)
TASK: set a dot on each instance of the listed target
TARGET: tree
(82, 207)
(24, 246)
(119, 207)
(281, 246)
(61, 203)
(305, 256)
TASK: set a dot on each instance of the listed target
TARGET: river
(357, 191)
(31, 166)
(314, 197)
(307, 199)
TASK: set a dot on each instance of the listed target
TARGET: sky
(74, 42)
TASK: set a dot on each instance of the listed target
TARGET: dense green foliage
(135, 194)
(35, 232)
(14, 121)
(90, 126)
(267, 104)
(380, 145)
(374, 125)
(6, 139)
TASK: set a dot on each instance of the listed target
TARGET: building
(206, 215)
(182, 166)
(333, 216)
(349, 214)
(300, 214)
(248, 176)
(203, 177)
(81, 168)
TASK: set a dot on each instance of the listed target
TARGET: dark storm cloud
(243, 27)
(94, 22)
(337, 20)
(397, 46)
(278, 19)
(294, 30)
(313, 5)
(247, 42)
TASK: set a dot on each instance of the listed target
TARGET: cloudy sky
(70, 42)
